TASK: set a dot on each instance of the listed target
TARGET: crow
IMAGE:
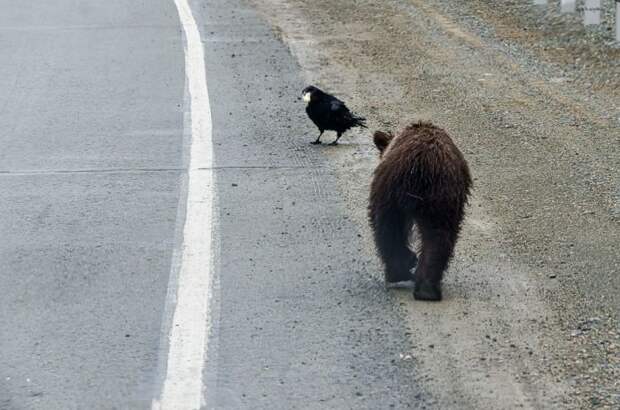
(329, 113)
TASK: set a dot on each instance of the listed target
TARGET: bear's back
(423, 169)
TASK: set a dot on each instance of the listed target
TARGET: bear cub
(422, 179)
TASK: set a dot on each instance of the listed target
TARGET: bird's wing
(342, 117)
(338, 109)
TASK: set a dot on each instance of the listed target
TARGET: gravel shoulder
(531, 312)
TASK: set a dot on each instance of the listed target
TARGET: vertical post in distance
(568, 6)
(592, 12)
(618, 21)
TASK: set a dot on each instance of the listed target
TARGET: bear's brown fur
(422, 179)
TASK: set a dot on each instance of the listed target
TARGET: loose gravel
(531, 317)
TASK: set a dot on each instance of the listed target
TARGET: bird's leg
(318, 139)
(337, 138)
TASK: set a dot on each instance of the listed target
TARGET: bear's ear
(382, 140)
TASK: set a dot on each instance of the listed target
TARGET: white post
(568, 6)
(618, 21)
(592, 12)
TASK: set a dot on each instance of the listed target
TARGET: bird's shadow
(327, 145)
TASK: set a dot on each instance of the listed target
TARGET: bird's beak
(306, 97)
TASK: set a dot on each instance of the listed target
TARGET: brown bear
(422, 180)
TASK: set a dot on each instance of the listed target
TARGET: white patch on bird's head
(306, 96)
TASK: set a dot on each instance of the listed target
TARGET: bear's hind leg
(437, 248)
(391, 231)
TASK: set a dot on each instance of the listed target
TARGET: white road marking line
(182, 387)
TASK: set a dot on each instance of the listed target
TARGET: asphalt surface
(92, 180)
(300, 323)
(91, 157)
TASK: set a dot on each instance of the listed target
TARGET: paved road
(91, 127)
(94, 121)
(296, 327)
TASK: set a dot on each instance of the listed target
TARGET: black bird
(329, 113)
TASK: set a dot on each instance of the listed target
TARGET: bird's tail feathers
(359, 121)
